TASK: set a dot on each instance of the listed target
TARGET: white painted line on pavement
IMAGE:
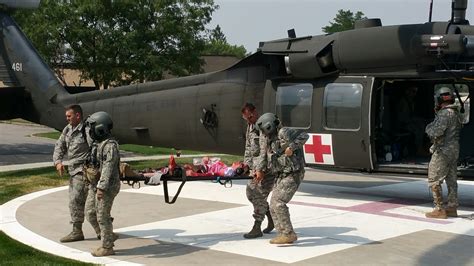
(15, 230)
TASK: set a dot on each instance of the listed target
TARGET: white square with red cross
(318, 149)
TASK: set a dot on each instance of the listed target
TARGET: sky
(247, 22)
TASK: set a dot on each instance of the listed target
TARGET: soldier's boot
(438, 212)
(452, 212)
(284, 239)
(75, 235)
(270, 225)
(100, 252)
(255, 232)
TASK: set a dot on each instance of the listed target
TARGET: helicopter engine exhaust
(458, 13)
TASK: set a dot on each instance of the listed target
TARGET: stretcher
(175, 173)
(134, 181)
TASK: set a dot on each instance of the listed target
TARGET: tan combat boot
(100, 252)
(75, 235)
(270, 224)
(284, 239)
(438, 212)
(452, 212)
(255, 232)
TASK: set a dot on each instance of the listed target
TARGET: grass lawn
(13, 252)
(17, 183)
(139, 149)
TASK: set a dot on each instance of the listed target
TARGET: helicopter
(342, 89)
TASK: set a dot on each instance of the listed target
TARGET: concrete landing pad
(340, 219)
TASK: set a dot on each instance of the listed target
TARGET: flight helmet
(100, 125)
(268, 123)
(444, 94)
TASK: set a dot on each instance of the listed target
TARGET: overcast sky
(247, 22)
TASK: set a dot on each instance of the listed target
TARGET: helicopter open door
(344, 119)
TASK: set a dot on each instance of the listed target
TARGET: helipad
(341, 219)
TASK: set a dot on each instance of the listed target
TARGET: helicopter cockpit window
(293, 104)
(463, 90)
(342, 105)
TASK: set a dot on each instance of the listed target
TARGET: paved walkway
(341, 219)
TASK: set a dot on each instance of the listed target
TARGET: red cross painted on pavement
(317, 149)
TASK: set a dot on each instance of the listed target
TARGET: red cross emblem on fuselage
(317, 146)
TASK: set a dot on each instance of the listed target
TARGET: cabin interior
(403, 108)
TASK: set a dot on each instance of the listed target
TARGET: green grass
(17, 183)
(151, 150)
(49, 135)
(15, 253)
(139, 149)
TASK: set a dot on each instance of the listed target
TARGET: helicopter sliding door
(343, 137)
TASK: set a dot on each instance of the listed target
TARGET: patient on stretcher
(214, 167)
(201, 167)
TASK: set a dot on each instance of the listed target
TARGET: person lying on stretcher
(215, 167)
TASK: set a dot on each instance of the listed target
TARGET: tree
(344, 20)
(217, 45)
(121, 42)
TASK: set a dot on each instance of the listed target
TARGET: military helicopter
(342, 88)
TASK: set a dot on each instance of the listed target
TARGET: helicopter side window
(463, 90)
(293, 104)
(342, 105)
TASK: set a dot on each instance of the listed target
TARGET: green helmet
(100, 124)
(444, 94)
(268, 123)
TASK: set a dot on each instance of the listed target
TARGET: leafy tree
(216, 35)
(121, 42)
(217, 45)
(344, 20)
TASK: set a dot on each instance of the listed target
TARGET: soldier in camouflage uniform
(74, 142)
(108, 186)
(281, 153)
(257, 192)
(444, 133)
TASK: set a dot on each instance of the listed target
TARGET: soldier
(444, 133)
(108, 185)
(281, 153)
(257, 192)
(74, 142)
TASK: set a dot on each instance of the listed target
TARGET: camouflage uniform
(74, 142)
(289, 171)
(257, 193)
(109, 183)
(444, 132)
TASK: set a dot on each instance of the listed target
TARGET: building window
(293, 104)
(342, 105)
